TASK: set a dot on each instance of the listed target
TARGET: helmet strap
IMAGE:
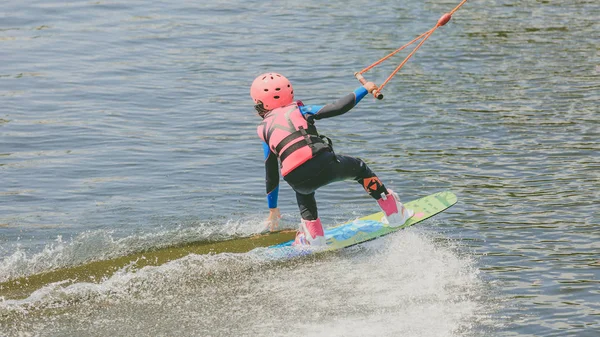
(260, 108)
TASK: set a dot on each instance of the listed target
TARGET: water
(126, 127)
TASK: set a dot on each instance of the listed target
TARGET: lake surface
(128, 126)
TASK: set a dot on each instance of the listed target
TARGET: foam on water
(102, 245)
(406, 283)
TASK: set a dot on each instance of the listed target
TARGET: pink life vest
(290, 137)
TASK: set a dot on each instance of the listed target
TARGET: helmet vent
(266, 89)
(277, 89)
(276, 97)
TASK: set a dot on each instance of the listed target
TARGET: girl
(307, 160)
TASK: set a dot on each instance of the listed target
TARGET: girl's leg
(327, 168)
(357, 170)
(395, 212)
(307, 205)
(311, 230)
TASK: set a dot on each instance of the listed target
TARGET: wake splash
(135, 285)
(102, 245)
(406, 283)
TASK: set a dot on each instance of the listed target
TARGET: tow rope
(423, 37)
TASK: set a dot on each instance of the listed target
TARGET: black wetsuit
(325, 168)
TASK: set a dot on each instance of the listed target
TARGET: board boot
(310, 233)
(395, 212)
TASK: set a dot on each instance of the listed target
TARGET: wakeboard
(369, 227)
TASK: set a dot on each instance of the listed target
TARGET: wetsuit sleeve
(271, 176)
(340, 107)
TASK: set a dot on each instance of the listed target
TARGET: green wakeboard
(369, 227)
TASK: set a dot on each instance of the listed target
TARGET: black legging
(327, 168)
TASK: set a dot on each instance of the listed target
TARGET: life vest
(291, 137)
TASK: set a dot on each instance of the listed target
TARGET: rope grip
(376, 93)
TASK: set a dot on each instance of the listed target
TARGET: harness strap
(285, 141)
(309, 139)
(291, 149)
(314, 142)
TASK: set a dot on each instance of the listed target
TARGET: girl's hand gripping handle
(370, 86)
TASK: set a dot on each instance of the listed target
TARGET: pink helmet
(273, 90)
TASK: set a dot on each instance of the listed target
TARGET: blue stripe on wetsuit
(360, 93)
(274, 193)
